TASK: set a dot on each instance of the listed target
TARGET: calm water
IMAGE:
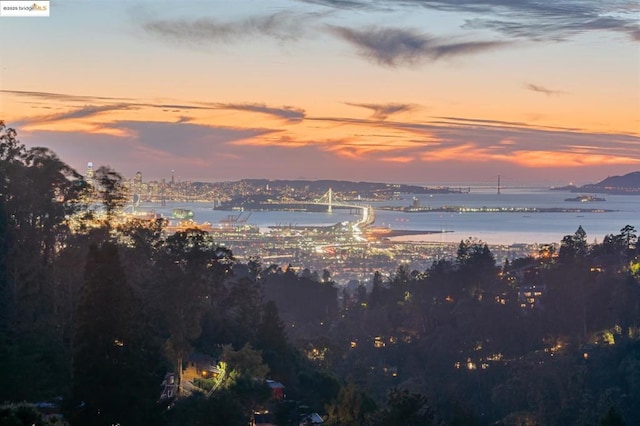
(494, 228)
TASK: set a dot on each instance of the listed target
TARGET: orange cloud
(402, 160)
(464, 152)
(567, 159)
(357, 148)
(78, 127)
(232, 129)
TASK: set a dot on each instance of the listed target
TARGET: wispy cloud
(541, 89)
(288, 113)
(66, 98)
(543, 20)
(78, 113)
(62, 97)
(382, 111)
(462, 139)
(343, 4)
(104, 104)
(488, 140)
(531, 19)
(397, 46)
(558, 28)
(282, 26)
(465, 121)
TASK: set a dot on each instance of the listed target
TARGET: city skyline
(398, 91)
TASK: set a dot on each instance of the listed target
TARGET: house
(199, 365)
(530, 296)
(168, 387)
(277, 389)
(262, 418)
(312, 419)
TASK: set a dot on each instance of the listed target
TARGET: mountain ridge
(628, 184)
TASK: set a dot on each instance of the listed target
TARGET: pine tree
(114, 367)
(272, 340)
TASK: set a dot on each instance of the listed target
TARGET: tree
(476, 268)
(405, 408)
(245, 376)
(351, 408)
(246, 361)
(629, 237)
(21, 414)
(10, 148)
(38, 195)
(361, 294)
(38, 192)
(326, 276)
(474, 254)
(114, 365)
(254, 265)
(180, 294)
(111, 190)
(139, 241)
(189, 270)
(222, 408)
(573, 247)
(377, 297)
(272, 340)
(612, 418)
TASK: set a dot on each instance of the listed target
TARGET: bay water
(491, 227)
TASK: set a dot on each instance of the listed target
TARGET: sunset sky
(414, 91)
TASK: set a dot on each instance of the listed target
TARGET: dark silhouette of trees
(271, 339)
(111, 191)
(309, 304)
(476, 267)
(351, 408)
(114, 367)
(629, 237)
(573, 247)
(222, 408)
(406, 408)
(189, 271)
(612, 418)
(37, 193)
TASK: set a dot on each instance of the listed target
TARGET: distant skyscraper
(138, 178)
(89, 174)
(173, 180)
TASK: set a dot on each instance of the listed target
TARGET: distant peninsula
(628, 184)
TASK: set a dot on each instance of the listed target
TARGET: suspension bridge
(367, 214)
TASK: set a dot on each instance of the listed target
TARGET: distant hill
(627, 184)
(368, 189)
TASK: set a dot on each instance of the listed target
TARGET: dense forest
(96, 311)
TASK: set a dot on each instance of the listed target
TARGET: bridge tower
(327, 198)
